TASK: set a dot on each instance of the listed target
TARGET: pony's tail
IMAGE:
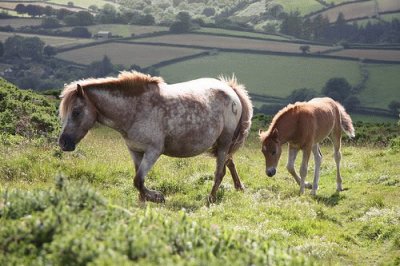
(243, 128)
(345, 121)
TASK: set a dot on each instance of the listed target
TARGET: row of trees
(320, 29)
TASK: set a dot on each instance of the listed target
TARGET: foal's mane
(126, 80)
(277, 117)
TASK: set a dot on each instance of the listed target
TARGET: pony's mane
(126, 80)
(288, 108)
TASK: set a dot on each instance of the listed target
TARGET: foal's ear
(275, 134)
(79, 90)
(260, 132)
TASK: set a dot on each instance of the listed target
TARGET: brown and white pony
(154, 118)
(303, 125)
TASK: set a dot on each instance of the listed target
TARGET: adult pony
(154, 118)
(303, 125)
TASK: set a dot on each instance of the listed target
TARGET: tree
(1, 49)
(50, 23)
(351, 102)
(209, 11)
(292, 24)
(301, 95)
(20, 9)
(13, 46)
(182, 24)
(108, 14)
(32, 47)
(305, 49)
(100, 68)
(337, 88)
(394, 107)
(49, 50)
(81, 18)
(81, 32)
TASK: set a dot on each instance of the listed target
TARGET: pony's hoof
(308, 185)
(239, 187)
(313, 193)
(211, 199)
(153, 196)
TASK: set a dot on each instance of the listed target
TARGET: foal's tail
(243, 128)
(345, 121)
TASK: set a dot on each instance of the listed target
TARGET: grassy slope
(357, 226)
(303, 6)
(241, 33)
(84, 3)
(122, 30)
(264, 74)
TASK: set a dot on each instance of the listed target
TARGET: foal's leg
(143, 164)
(290, 165)
(336, 139)
(236, 180)
(317, 159)
(304, 168)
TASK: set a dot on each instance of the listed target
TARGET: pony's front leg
(304, 168)
(317, 159)
(142, 168)
(290, 166)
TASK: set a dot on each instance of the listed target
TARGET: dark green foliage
(73, 225)
(49, 50)
(1, 49)
(100, 68)
(29, 47)
(182, 24)
(301, 95)
(337, 88)
(81, 18)
(50, 23)
(26, 113)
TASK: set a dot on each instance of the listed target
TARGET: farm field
(85, 3)
(360, 9)
(382, 86)
(375, 54)
(92, 215)
(12, 5)
(230, 42)
(242, 34)
(20, 22)
(385, 17)
(126, 54)
(52, 40)
(303, 6)
(122, 30)
(265, 74)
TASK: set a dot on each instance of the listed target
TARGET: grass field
(389, 55)
(94, 216)
(264, 74)
(122, 30)
(21, 22)
(12, 5)
(242, 33)
(84, 3)
(382, 86)
(303, 6)
(51, 40)
(230, 42)
(126, 54)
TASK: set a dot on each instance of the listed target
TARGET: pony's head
(271, 148)
(78, 115)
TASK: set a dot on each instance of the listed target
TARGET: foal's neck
(286, 126)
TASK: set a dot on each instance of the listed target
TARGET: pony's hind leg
(317, 159)
(336, 139)
(290, 165)
(236, 180)
(143, 166)
(222, 151)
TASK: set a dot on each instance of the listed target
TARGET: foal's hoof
(153, 196)
(308, 185)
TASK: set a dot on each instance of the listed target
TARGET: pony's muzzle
(66, 143)
(271, 172)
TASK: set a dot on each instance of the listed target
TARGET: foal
(303, 125)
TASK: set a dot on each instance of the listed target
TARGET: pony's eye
(75, 113)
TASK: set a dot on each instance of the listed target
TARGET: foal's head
(271, 148)
(78, 115)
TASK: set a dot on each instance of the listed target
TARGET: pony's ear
(79, 90)
(275, 134)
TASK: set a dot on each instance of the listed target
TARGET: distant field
(382, 87)
(230, 42)
(12, 5)
(126, 54)
(122, 30)
(242, 33)
(389, 55)
(303, 6)
(385, 17)
(265, 74)
(52, 40)
(372, 118)
(84, 3)
(21, 22)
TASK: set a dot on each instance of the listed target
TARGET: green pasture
(265, 74)
(81, 207)
(84, 3)
(303, 6)
(383, 86)
(241, 33)
(122, 30)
